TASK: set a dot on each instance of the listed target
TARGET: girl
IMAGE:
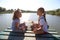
(41, 27)
(16, 26)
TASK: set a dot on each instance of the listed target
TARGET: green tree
(2, 9)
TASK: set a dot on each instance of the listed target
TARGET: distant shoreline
(51, 12)
(25, 12)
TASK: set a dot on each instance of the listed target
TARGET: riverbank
(48, 12)
(51, 12)
(54, 12)
(5, 12)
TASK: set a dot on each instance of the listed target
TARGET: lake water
(6, 20)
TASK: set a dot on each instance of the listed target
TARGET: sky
(30, 4)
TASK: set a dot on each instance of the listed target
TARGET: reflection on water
(25, 17)
(6, 20)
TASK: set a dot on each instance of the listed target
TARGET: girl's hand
(39, 28)
(23, 27)
(20, 28)
(17, 25)
(35, 29)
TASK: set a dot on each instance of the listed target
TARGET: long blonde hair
(15, 14)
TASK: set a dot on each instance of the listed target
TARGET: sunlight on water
(28, 17)
(25, 17)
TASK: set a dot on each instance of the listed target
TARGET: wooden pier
(8, 34)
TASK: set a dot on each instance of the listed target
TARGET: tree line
(3, 10)
(54, 12)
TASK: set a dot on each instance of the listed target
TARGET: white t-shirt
(43, 23)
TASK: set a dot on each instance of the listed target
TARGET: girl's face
(18, 14)
(39, 13)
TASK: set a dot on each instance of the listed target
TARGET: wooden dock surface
(8, 34)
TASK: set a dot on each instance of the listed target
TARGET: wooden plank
(25, 38)
(32, 38)
(51, 29)
(48, 30)
(29, 38)
(11, 38)
(26, 34)
(9, 30)
(30, 31)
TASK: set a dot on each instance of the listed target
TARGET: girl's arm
(17, 25)
(42, 23)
